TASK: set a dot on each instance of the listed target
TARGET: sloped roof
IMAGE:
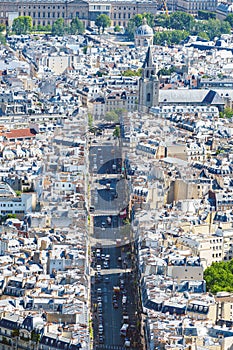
(20, 133)
(190, 96)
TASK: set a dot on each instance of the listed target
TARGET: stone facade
(193, 7)
(148, 85)
(45, 12)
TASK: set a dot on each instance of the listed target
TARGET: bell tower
(148, 85)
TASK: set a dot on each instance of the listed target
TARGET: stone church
(148, 85)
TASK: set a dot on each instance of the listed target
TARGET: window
(148, 97)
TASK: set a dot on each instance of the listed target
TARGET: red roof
(20, 134)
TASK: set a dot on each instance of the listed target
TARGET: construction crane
(165, 7)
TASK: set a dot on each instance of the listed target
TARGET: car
(107, 257)
(92, 209)
(106, 279)
(115, 305)
(101, 339)
(102, 256)
(99, 291)
(101, 329)
(103, 223)
(99, 299)
(98, 267)
(114, 297)
(106, 265)
(98, 254)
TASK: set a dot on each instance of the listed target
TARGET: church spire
(148, 63)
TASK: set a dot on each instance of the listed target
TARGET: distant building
(46, 12)
(148, 85)
(144, 35)
(193, 7)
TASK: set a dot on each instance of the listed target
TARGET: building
(193, 7)
(144, 35)
(148, 85)
(45, 12)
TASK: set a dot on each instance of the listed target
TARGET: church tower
(148, 85)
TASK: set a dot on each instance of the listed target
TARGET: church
(151, 96)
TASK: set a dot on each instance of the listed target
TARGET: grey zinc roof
(189, 96)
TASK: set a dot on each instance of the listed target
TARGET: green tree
(227, 113)
(111, 116)
(76, 26)
(203, 35)
(90, 120)
(170, 37)
(181, 20)
(2, 27)
(117, 132)
(117, 29)
(229, 19)
(2, 39)
(22, 25)
(162, 20)
(130, 30)
(58, 27)
(132, 73)
(219, 277)
(213, 28)
(102, 21)
(150, 19)
(120, 112)
(206, 14)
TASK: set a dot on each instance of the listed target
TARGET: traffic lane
(111, 317)
(102, 159)
(111, 199)
(104, 221)
(115, 237)
(114, 261)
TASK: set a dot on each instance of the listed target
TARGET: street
(112, 279)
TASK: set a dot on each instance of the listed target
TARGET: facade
(148, 85)
(193, 7)
(45, 12)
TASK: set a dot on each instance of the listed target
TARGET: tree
(117, 29)
(117, 132)
(219, 276)
(22, 25)
(170, 37)
(103, 21)
(58, 27)
(229, 19)
(213, 28)
(76, 26)
(2, 27)
(111, 116)
(120, 112)
(2, 39)
(181, 20)
(90, 120)
(132, 73)
(206, 14)
(227, 113)
(203, 35)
